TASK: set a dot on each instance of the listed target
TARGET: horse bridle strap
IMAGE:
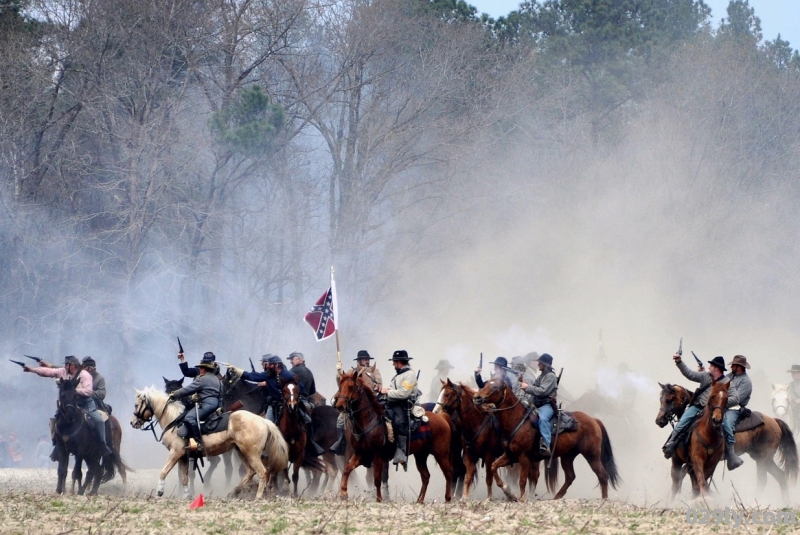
(525, 418)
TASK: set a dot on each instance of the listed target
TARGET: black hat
(400, 354)
(89, 361)
(719, 362)
(71, 359)
(363, 354)
(795, 368)
(500, 361)
(545, 359)
(208, 356)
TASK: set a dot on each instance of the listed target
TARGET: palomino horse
(590, 439)
(761, 443)
(173, 385)
(369, 438)
(252, 436)
(476, 429)
(74, 435)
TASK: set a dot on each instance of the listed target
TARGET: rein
(350, 412)
(459, 411)
(151, 423)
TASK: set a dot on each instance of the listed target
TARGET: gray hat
(89, 361)
(294, 354)
(444, 364)
(275, 359)
(266, 357)
(517, 361)
(71, 359)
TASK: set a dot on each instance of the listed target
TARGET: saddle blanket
(749, 422)
(215, 424)
(423, 432)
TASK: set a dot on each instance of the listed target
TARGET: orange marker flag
(197, 502)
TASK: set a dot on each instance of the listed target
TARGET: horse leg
(678, 472)
(533, 478)
(296, 472)
(251, 460)
(471, 465)
(779, 476)
(568, 465)
(354, 461)
(77, 476)
(174, 457)
(421, 460)
(94, 473)
(227, 458)
(63, 465)
(524, 467)
(213, 462)
(377, 477)
(593, 458)
(495, 467)
(761, 475)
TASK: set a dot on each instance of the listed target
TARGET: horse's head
(68, 398)
(780, 400)
(718, 401)
(350, 387)
(291, 394)
(674, 400)
(172, 385)
(142, 410)
(449, 397)
(493, 393)
(367, 376)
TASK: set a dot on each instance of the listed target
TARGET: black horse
(75, 435)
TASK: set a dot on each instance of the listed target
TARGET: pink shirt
(84, 388)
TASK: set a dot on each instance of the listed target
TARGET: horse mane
(153, 394)
(371, 398)
(466, 389)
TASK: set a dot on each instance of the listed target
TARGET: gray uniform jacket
(704, 378)
(543, 388)
(98, 386)
(518, 391)
(740, 390)
(206, 386)
(403, 386)
(794, 392)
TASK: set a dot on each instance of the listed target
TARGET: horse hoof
(160, 493)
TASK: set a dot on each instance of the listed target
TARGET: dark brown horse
(761, 443)
(293, 428)
(476, 431)
(366, 432)
(114, 428)
(590, 439)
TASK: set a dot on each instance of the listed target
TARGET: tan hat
(739, 360)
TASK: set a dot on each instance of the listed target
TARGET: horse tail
(607, 458)
(551, 475)
(275, 449)
(788, 452)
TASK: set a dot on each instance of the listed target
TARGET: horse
(368, 436)
(253, 437)
(323, 420)
(293, 427)
(761, 443)
(108, 469)
(173, 385)
(590, 439)
(476, 431)
(782, 406)
(75, 435)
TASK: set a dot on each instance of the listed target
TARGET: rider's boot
(340, 445)
(671, 445)
(400, 453)
(734, 461)
(543, 449)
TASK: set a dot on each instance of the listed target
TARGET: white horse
(781, 406)
(262, 449)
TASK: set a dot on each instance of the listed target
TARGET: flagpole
(338, 351)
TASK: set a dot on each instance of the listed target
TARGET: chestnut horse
(367, 435)
(293, 428)
(761, 443)
(590, 439)
(477, 433)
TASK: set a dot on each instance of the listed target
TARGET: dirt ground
(28, 505)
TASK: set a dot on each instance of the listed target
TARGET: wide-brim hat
(795, 369)
(444, 364)
(545, 359)
(363, 354)
(207, 365)
(208, 356)
(740, 360)
(500, 361)
(400, 354)
(719, 362)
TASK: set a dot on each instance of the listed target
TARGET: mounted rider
(362, 363)
(400, 394)
(208, 357)
(442, 370)
(544, 392)
(499, 372)
(739, 391)
(208, 389)
(524, 376)
(715, 372)
(794, 395)
(307, 389)
(98, 384)
(72, 369)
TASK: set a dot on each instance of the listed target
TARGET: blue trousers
(89, 406)
(728, 423)
(207, 406)
(688, 417)
(545, 415)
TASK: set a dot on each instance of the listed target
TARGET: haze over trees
(194, 166)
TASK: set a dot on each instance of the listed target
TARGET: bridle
(492, 407)
(149, 420)
(782, 405)
(351, 410)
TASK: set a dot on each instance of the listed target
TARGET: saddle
(748, 420)
(216, 422)
(566, 421)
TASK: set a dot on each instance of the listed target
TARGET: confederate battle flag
(322, 316)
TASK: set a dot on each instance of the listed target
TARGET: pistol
(481, 361)
(180, 347)
(18, 362)
(37, 359)
(680, 348)
(699, 362)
